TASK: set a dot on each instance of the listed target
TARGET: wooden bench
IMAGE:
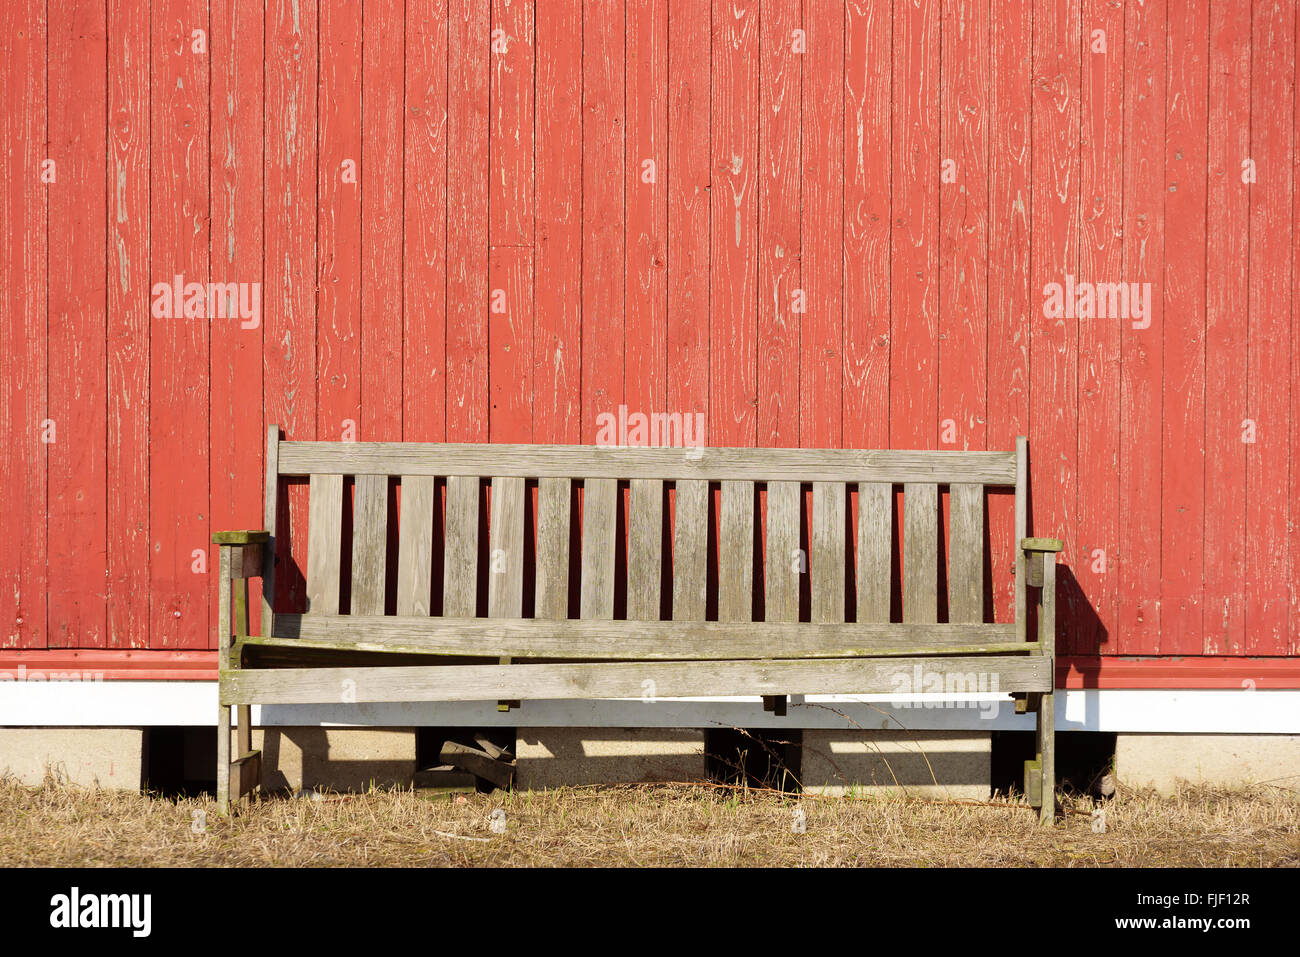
(553, 598)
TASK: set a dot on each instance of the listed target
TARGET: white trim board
(144, 703)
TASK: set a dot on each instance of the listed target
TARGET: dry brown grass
(676, 825)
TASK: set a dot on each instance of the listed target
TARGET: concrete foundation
(342, 759)
(558, 757)
(887, 763)
(109, 758)
(1162, 760)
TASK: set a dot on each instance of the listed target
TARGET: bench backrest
(488, 529)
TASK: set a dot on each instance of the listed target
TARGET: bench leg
(1047, 758)
(223, 759)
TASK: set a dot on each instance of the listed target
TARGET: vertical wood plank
(382, 150)
(179, 337)
(733, 290)
(236, 430)
(289, 270)
(325, 544)
(460, 567)
(920, 552)
(966, 554)
(690, 550)
(823, 226)
(736, 552)
(424, 235)
(1182, 494)
(341, 181)
(510, 222)
(827, 560)
(553, 529)
(778, 227)
(369, 544)
(557, 405)
(645, 549)
(127, 183)
(468, 50)
(1141, 348)
(1054, 336)
(645, 177)
(1227, 300)
(415, 545)
(76, 492)
(689, 195)
(1011, 44)
(869, 100)
(24, 371)
(506, 534)
(270, 522)
(1021, 530)
(1101, 250)
(785, 563)
(914, 262)
(603, 128)
(1269, 571)
(963, 224)
(875, 550)
(599, 501)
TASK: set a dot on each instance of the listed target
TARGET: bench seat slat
(600, 638)
(710, 464)
(672, 679)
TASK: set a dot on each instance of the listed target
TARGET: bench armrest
(247, 537)
(1041, 544)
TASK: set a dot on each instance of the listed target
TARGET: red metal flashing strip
(1170, 673)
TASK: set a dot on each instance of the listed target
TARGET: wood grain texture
(369, 544)
(920, 553)
(325, 546)
(736, 552)
(599, 527)
(645, 549)
(826, 563)
(506, 531)
(966, 554)
(690, 551)
(784, 562)
(875, 550)
(554, 515)
(415, 545)
(713, 464)
(460, 564)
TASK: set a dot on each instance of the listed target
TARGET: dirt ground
(673, 825)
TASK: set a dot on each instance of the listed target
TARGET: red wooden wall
(821, 223)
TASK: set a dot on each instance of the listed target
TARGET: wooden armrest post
(1040, 557)
(240, 558)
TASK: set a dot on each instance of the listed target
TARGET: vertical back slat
(598, 529)
(369, 544)
(920, 552)
(966, 554)
(415, 545)
(827, 564)
(460, 567)
(782, 562)
(553, 518)
(736, 552)
(645, 549)
(506, 534)
(875, 549)
(690, 550)
(324, 543)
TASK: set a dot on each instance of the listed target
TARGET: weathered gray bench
(652, 603)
